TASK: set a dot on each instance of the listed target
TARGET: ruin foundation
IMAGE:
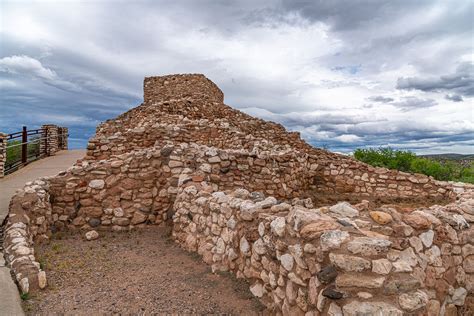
(258, 201)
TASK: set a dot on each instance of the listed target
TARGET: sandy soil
(139, 272)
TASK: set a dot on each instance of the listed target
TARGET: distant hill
(450, 156)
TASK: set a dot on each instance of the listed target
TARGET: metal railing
(27, 146)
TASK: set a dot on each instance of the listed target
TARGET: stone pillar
(3, 153)
(49, 144)
(63, 138)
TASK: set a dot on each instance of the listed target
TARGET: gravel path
(141, 272)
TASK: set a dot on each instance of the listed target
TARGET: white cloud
(25, 65)
(328, 69)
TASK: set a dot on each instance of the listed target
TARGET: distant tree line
(446, 170)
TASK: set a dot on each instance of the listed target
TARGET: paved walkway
(9, 297)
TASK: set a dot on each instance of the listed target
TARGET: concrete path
(9, 297)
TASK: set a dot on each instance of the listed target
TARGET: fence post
(24, 146)
(3, 153)
(51, 141)
(63, 138)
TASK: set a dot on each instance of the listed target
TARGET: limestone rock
(427, 238)
(334, 310)
(333, 239)
(413, 301)
(314, 230)
(359, 280)
(138, 217)
(344, 209)
(349, 263)
(257, 289)
(368, 246)
(358, 308)
(42, 281)
(459, 296)
(287, 261)
(92, 235)
(277, 226)
(97, 184)
(381, 266)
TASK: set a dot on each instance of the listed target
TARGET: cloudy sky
(346, 74)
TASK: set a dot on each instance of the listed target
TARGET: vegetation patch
(440, 168)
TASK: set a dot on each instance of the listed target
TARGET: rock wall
(332, 259)
(172, 87)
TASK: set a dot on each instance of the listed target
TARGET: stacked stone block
(63, 133)
(3, 153)
(50, 143)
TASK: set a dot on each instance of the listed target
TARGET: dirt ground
(140, 272)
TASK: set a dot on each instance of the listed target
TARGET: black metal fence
(26, 146)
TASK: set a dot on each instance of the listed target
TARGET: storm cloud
(461, 83)
(346, 74)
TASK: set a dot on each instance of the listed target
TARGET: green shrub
(409, 162)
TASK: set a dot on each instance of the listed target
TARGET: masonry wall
(181, 86)
(301, 260)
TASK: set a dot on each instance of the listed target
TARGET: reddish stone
(441, 287)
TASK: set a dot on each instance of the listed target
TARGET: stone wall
(332, 259)
(195, 86)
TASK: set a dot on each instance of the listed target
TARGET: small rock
(92, 235)
(97, 184)
(368, 246)
(381, 217)
(287, 261)
(413, 301)
(334, 310)
(314, 229)
(359, 280)
(257, 289)
(138, 218)
(344, 209)
(327, 274)
(358, 308)
(259, 247)
(459, 296)
(349, 263)
(332, 293)
(24, 285)
(244, 245)
(277, 226)
(94, 222)
(400, 283)
(364, 295)
(417, 221)
(381, 266)
(416, 243)
(333, 239)
(432, 308)
(427, 238)
(42, 279)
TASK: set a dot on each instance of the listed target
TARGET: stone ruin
(313, 232)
